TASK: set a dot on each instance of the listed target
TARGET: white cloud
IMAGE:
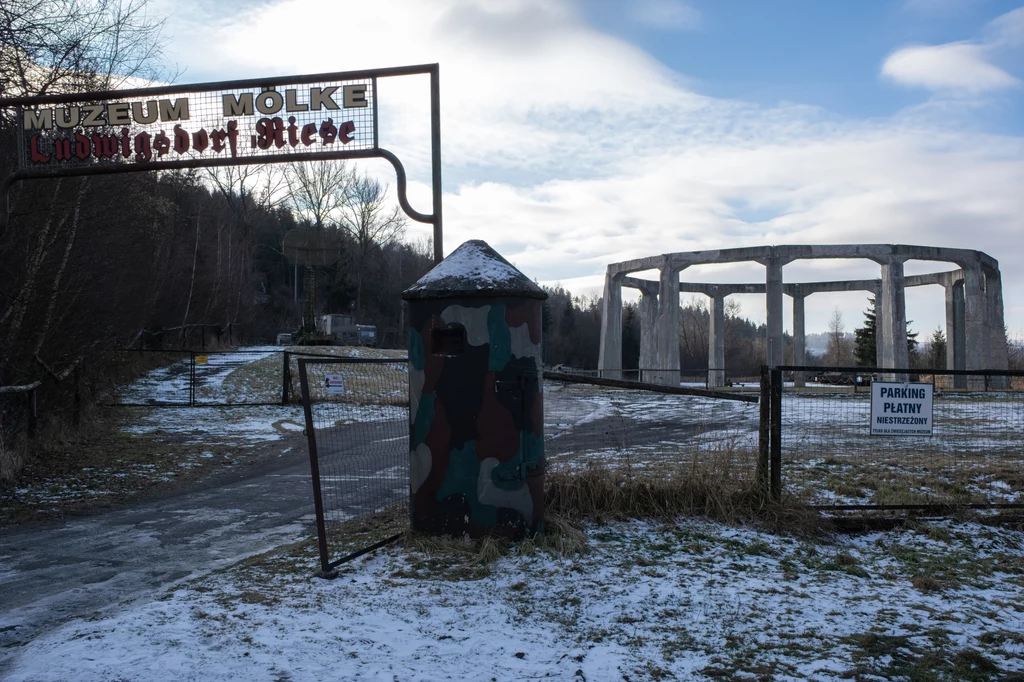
(953, 66)
(1007, 31)
(965, 67)
(668, 15)
(568, 149)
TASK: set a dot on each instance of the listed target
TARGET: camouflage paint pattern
(476, 417)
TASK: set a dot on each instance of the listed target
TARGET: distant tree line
(572, 331)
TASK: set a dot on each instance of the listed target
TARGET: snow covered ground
(687, 600)
(170, 384)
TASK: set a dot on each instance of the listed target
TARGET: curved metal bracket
(401, 181)
(403, 199)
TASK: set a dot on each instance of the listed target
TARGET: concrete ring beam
(974, 305)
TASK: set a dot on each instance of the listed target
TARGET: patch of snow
(474, 266)
(681, 599)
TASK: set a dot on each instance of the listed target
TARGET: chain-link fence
(357, 425)
(590, 421)
(932, 439)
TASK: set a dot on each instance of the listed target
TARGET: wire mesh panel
(589, 425)
(357, 423)
(973, 456)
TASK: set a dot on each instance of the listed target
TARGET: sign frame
(376, 151)
(916, 402)
(335, 384)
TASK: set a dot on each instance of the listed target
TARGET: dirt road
(87, 565)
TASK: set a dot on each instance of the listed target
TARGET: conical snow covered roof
(473, 269)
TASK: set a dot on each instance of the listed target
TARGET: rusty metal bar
(764, 429)
(657, 388)
(775, 437)
(314, 468)
(241, 84)
(435, 159)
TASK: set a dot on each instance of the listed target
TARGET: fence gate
(244, 377)
(357, 425)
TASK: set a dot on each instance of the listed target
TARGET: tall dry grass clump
(708, 485)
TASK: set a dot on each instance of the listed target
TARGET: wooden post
(33, 414)
(286, 379)
(775, 444)
(76, 414)
(764, 428)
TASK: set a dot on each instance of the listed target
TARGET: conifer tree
(864, 349)
(864, 338)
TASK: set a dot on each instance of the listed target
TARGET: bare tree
(693, 329)
(839, 346)
(317, 190)
(49, 46)
(372, 221)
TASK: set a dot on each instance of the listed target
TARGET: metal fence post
(775, 445)
(192, 380)
(314, 469)
(286, 379)
(764, 430)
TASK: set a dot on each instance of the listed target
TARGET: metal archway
(115, 131)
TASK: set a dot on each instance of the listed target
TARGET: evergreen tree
(864, 338)
(630, 336)
(937, 350)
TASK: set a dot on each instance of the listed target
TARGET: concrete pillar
(716, 342)
(609, 358)
(799, 340)
(975, 318)
(955, 328)
(998, 353)
(878, 324)
(648, 332)
(668, 327)
(773, 294)
(893, 318)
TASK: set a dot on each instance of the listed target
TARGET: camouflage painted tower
(476, 417)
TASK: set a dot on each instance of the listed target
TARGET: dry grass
(12, 459)
(700, 488)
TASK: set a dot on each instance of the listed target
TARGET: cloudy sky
(581, 132)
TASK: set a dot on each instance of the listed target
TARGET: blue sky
(820, 53)
(582, 132)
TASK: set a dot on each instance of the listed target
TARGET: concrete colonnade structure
(973, 294)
